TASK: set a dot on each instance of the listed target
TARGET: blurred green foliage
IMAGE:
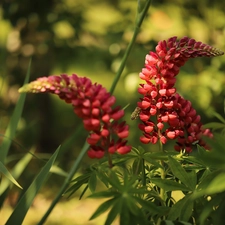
(89, 38)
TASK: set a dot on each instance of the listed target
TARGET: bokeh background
(89, 38)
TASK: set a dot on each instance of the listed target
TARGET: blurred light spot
(52, 17)
(13, 94)
(21, 23)
(131, 82)
(42, 49)
(100, 18)
(27, 50)
(63, 30)
(116, 64)
(114, 49)
(13, 41)
(161, 20)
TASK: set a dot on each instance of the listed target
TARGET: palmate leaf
(151, 207)
(103, 208)
(183, 206)
(79, 181)
(169, 185)
(92, 182)
(26, 200)
(115, 210)
(104, 194)
(188, 179)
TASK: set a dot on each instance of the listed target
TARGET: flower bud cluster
(164, 113)
(93, 104)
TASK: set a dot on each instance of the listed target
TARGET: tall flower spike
(175, 116)
(93, 104)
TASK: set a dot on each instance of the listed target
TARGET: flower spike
(175, 117)
(93, 104)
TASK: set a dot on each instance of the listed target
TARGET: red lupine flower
(175, 117)
(93, 104)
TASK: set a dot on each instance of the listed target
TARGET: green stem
(140, 18)
(65, 184)
(162, 173)
(163, 176)
(143, 173)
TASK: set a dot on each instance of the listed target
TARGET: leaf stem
(163, 176)
(65, 184)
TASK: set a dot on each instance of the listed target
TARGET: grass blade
(26, 200)
(16, 171)
(4, 171)
(11, 129)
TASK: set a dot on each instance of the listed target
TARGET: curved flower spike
(93, 104)
(175, 117)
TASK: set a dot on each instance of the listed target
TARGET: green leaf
(26, 200)
(16, 171)
(14, 120)
(170, 222)
(178, 208)
(151, 207)
(103, 194)
(92, 182)
(186, 211)
(169, 185)
(208, 208)
(215, 125)
(217, 185)
(219, 117)
(79, 181)
(181, 174)
(207, 179)
(152, 161)
(103, 207)
(115, 210)
(83, 192)
(59, 171)
(7, 174)
(160, 155)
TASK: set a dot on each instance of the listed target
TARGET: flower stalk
(141, 13)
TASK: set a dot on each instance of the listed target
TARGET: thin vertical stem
(163, 176)
(162, 172)
(65, 184)
(140, 18)
(143, 173)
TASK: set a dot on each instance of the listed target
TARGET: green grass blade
(26, 200)
(11, 129)
(16, 171)
(5, 172)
